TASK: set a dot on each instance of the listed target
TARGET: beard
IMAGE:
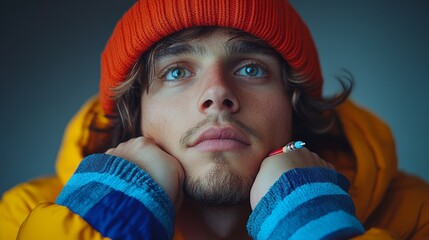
(220, 186)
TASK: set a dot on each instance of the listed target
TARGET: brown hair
(312, 115)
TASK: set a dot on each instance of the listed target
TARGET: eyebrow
(180, 49)
(232, 47)
(248, 47)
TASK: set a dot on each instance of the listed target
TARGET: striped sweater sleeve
(306, 203)
(118, 199)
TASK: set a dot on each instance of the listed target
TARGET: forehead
(203, 40)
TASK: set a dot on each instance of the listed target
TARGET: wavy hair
(312, 116)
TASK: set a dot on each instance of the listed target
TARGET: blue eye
(176, 73)
(251, 70)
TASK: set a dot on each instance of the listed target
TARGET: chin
(219, 185)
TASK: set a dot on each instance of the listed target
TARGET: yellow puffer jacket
(389, 203)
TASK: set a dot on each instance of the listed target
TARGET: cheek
(151, 122)
(274, 117)
(159, 122)
(282, 123)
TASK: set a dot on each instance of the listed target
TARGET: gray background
(49, 66)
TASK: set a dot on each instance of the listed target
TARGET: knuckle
(142, 140)
(121, 145)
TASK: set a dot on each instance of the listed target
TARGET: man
(194, 97)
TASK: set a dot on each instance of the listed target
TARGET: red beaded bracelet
(289, 147)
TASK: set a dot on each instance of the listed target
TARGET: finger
(109, 151)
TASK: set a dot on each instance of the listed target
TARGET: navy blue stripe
(295, 178)
(318, 229)
(301, 176)
(99, 174)
(119, 216)
(121, 168)
(104, 163)
(287, 183)
(312, 210)
(81, 199)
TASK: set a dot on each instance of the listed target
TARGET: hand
(273, 167)
(163, 168)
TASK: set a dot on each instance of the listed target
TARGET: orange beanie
(148, 21)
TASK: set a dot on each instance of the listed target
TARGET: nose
(218, 94)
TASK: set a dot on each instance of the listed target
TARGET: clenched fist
(274, 166)
(164, 169)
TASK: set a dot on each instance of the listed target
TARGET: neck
(198, 221)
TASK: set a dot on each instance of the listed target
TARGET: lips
(220, 139)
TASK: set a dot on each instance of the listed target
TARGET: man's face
(218, 104)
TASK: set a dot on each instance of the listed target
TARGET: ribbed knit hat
(148, 21)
